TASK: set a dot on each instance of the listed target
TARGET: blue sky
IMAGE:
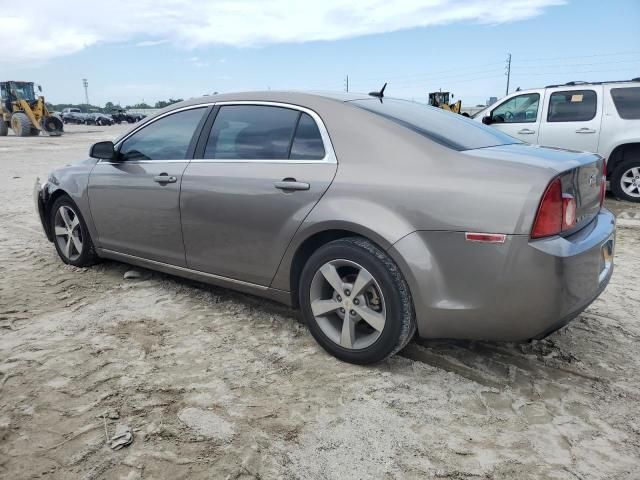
(458, 46)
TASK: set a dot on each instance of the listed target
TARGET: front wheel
(356, 302)
(625, 180)
(70, 234)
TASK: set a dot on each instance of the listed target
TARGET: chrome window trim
(329, 153)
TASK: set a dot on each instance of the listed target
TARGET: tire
(386, 295)
(4, 128)
(21, 124)
(625, 180)
(35, 132)
(80, 252)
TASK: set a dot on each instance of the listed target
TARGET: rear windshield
(449, 129)
(627, 102)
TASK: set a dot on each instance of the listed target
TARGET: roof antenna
(379, 94)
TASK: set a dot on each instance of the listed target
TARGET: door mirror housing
(487, 120)
(103, 150)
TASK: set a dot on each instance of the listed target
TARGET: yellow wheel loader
(441, 100)
(25, 113)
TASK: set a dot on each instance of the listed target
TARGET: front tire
(356, 302)
(70, 234)
(625, 180)
(21, 124)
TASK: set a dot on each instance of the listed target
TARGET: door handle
(290, 184)
(526, 131)
(585, 130)
(164, 178)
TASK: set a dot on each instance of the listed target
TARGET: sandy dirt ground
(217, 384)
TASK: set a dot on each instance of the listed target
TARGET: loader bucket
(52, 125)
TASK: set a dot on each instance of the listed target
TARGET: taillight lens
(557, 212)
(549, 218)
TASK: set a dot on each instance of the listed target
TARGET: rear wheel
(356, 302)
(625, 180)
(21, 124)
(70, 234)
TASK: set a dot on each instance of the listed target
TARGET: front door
(519, 116)
(135, 199)
(263, 169)
(571, 118)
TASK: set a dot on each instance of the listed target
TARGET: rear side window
(165, 139)
(307, 143)
(448, 129)
(255, 132)
(572, 106)
(627, 102)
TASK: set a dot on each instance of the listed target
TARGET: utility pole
(85, 84)
(508, 72)
(346, 83)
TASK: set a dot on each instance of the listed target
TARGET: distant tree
(109, 106)
(140, 105)
(166, 103)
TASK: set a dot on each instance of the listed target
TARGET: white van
(594, 117)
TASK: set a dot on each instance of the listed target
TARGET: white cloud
(67, 27)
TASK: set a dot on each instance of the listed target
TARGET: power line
(614, 54)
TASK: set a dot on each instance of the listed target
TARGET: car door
(262, 169)
(135, 199)
(571, 118)
(519, 116)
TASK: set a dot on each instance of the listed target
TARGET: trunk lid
(581, 173)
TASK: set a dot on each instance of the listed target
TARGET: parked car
(98, 119)
(593, 117)
(120, 116)
(374, 216)
(73, 115)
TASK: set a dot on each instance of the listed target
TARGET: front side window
(572, 106)
(252, 132)
(627, 102)
(165, 139)
(520, 109)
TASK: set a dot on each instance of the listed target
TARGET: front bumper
(40, 197)
(517, 290)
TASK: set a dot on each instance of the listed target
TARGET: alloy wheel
(68, 233)
(630, 182)
(348, 304)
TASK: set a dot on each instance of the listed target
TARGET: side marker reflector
(485, 237)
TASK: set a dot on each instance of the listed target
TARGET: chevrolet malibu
(376, 217)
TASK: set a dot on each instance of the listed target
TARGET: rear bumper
(517, 290)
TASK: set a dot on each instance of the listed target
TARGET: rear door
(135, 201)
(262, 169)
(571, 118)
(519, 116)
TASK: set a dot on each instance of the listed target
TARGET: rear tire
(362, 326)
(4, 127)
(70, 234)
(625, 180)
(21, 124)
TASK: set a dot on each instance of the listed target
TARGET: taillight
(557, 211)
(603, 182)
(549, 218)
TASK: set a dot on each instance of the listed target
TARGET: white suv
(593, 117)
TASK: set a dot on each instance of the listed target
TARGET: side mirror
(487, 120)
(102, 150)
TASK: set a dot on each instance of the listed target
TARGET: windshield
(24, 91)
(446, 128)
